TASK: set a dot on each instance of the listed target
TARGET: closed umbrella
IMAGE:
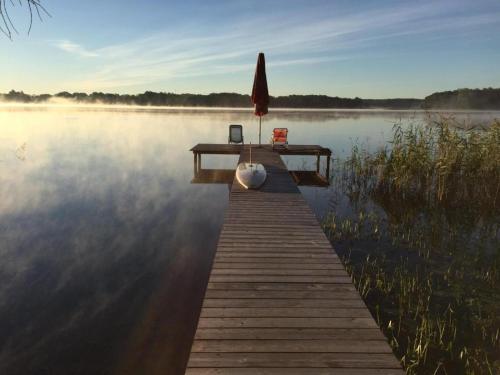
(260, 94)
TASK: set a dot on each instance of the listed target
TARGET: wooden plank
(272, 238)
(280, 279)
(291, 371)
(285, 322)
(244, 245)
(294, 210)
(221, 148)
(231, 252)
(307, 287)
(263, 211)
(250, 232)
(245, 222)
(278, 213)
(283, 286)
(273, 204)
(289, 312)
(304, 360)
(283, 266)
(265, 249)
(290, 346)
(261, 217)
(221, 258)
(272, 227)
(271, 254)
(281, 231)
(251, 242)
(247, 245)
(280, 272)
(256, 241)
(288, 303)
(365, 334)
(288, 294)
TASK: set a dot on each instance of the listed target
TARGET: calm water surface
(105, 245)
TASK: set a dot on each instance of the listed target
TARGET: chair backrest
(280, 135)
(235, 134)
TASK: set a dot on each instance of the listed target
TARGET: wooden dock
(278, 300)
(232, 149)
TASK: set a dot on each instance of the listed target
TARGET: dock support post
(195, 163)
(199, 162)
(318, 159)
(328, 168)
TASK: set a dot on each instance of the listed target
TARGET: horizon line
(243, 94)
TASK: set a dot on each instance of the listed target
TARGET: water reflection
(105, 243)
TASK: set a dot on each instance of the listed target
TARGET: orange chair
(280, 136)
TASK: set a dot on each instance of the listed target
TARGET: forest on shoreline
(474, 99)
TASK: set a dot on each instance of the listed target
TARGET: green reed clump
(434, 165)
(423, 246)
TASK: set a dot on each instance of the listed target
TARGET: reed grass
(422, 244)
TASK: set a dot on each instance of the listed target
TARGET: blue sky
(371, 49)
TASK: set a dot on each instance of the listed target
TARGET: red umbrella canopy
(260, 95)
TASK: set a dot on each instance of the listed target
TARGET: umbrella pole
(260, 124)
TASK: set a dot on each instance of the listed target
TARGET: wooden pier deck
(232, 149)
(278, 300)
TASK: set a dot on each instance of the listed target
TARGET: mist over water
(105, 245)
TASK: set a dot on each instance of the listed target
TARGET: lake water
(105, 245)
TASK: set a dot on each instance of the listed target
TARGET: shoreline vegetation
(462, 99)
(422, 243)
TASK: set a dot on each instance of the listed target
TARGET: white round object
(251, 175)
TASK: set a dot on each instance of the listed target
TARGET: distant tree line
(488, 98)
(458, 99)
(213, 100)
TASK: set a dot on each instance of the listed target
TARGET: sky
(369, 49)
